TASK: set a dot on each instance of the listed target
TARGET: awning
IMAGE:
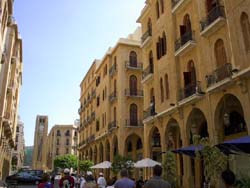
(103, 165)
(189, 150)
(236, 146)
(147, 162)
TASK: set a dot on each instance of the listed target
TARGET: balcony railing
(149, 70)
(89, 119)
(133, 123)
(188, 36)
(93, 116)
(112, 125)
(146, 35)
(190, 90)
(93, 94)
(219, 74)
(133, 93)
(112, 96)
(133, 66)
(149, 111)
(215, 13)
(112, 70)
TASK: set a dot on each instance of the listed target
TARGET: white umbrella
(103, 165)
(147, 162)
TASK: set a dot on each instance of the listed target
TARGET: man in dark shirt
(66, 181)
(156, 181)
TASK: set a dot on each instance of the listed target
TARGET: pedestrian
(139, 182)
(124, 182)
(82, 181)
(101, 181)
(90, 181)
(228, 178)
(66, 181)
(45, 182)
(156, 181)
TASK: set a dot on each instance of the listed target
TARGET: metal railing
(190, 90)
(112, 125)
(133, 123)
(150, 111)
(147, 34)
(133, 93)
(188, 36)
(131, 65)
(175, 2)
(112, 70)
(112, 96)
(215, 13)
(219, 74)
(147, 71)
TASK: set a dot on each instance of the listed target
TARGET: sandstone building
(10, 83)
(61, 140)
(112, 104)
(195, 58)
(19, 149)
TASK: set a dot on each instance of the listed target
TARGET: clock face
(41, 128)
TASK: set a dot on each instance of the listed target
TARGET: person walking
(101, 181)
(66, 181)
(124, 182)
(156, 181)
(90, 181)
(45, 182)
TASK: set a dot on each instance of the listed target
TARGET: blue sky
(61, 38)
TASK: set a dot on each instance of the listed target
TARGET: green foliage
(244, 183)
(85, 165)
(121, 162)
(66, 161)
(169, 168)
(214, 161)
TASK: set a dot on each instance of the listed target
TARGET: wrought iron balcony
(112, 125)
(133, 66)
(93, 116)
(93, 94)
(184, 43)
(112, 70)
(133, 93)
(215, 14)
(89, 119)
(219, 74)
(149, 112)
(133, 123)
(112, 96)
(190, 90)
(146, 35)
(148, 72)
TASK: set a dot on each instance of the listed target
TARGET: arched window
(58, 133)
(191, 69)
(220, 53)
(159, 48)
(67, 141)
(162, 6)
(156, 138)
(162, 90)
(133, 85)
(151, 62)
(139, 144)
(245, 27)
(133, 115)
(149, 27)
(166, 86)
(186, 30)
(152, 95)
(187, 23)
(157, 6)
(164, 44)
(133, 59)
(189, 80)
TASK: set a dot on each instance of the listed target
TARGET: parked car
(22, 178)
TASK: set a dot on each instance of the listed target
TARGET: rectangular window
(98, 101)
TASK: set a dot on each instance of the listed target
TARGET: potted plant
(169, 168)
(214, 161)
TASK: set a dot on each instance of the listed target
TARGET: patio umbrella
(103, 165)
(235, 146)
(189, 150)
(147, 162)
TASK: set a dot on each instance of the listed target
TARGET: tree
(65, 161)
(214, 161)
(85, 165)
(169, 168)
(121, 162)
